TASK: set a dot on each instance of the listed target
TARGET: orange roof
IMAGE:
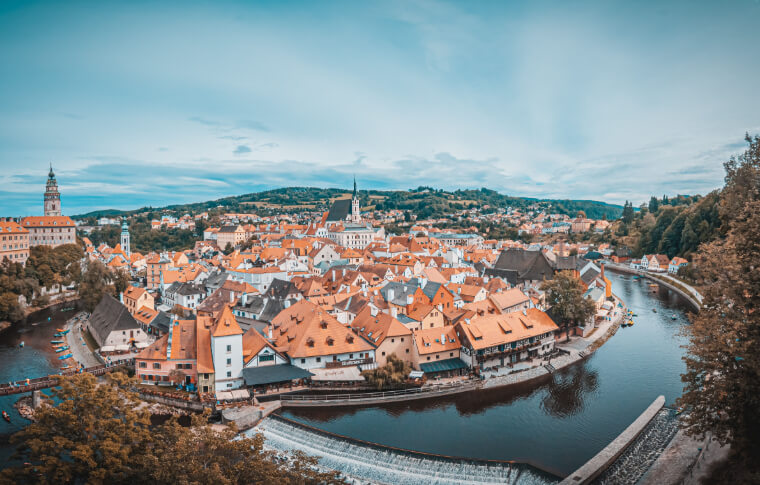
(134, 292)
(11, 227)
(203, 334)
(420, 311)
(305, 330)
(47, 221)
(253, 342)
(433, 340)
(226, 324)
(145, 315)
(184, 341)
(377, 328)
(492, 330)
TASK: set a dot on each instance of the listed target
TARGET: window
(229, 362)
(319, 359)
(383, 354)
(303, 361)
(451, 354)
(407, 351)
(229, 373)
(393, 340)
(143, 365)
(229, 349)
(437, 356)
(156, 365)
(266, 357)
(402, 339)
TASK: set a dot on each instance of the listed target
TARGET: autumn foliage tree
(97, 433)
(722, 381)
(394, 372)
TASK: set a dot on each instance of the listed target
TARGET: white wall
(220, 355)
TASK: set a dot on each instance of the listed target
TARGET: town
(267, 304)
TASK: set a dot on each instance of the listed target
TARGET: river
(557, 422)
(35, 359)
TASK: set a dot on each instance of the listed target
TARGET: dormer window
(330, 341)
(310, 342)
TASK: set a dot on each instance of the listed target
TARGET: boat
(21, 344)
(64, 367)
(64, 357)
(673, 317)
(654, 310)
(56, 341)
(6, 417)
(60, 334)
(61, 349)
(68, 309)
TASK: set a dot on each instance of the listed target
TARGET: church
(52, 229)
(347, 228)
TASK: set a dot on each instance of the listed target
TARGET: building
(385, 333)
(437, 351)
(135, 298)
(496, 340)
(113, 327)
(172, 359)
(52, 205)
(14, 241)
(49, 230)
(676, 264)
(227, 352)
(312, 338)
(232, 235)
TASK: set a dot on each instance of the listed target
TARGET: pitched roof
(376, 328)
(438, 339)
(339, 210)
(110, 316)
(226, 324)
(305, 330)
(492, 330)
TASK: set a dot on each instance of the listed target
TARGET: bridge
(20, 387)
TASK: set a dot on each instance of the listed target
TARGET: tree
(394, 372)
(120, 281)
(654, 204)
(564, 296)
(95, 433)
(627, 213)
(722, 380)
(228, 249)
(94, 284)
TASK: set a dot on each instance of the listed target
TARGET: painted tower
(125, 237)
(52, 196)
(355, 215)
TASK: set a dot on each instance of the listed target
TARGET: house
(185, 295)
(385, 333)
(658, 263)
(170, 357)
(520, 267)
(14, 241)
(49, 230)
(496, 340)
(676, 264)
(227, 351)
(437, 352)
(113, 327)
(512, 300)
(428, 316)
(312, 338)
(136, 297)
(230, 235)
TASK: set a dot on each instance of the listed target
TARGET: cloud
(252, 125)
(242, 149)
(204, 121)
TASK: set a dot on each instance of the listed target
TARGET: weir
(377, 463)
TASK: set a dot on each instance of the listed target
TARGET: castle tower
(52, 196)
(125, 237)
(355, 215)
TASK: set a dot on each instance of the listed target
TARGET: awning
(269, 374)
(120, 348)
(442, 365)
(340, 374)
(416, 374)
(107, 348)
(142, 345)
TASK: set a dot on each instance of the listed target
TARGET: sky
(152, 103)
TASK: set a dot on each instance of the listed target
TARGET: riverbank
(688, 292)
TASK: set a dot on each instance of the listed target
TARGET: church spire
(354, 186)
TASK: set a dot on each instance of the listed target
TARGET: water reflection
(566, 393)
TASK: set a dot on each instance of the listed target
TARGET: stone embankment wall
(691, 298)
(189, 405)
(596, 465)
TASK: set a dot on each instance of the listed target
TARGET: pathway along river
(558, 422)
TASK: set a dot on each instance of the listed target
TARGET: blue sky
(150, 103)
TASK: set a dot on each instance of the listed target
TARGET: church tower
(355, 215)
(52, 196)
(125, 237)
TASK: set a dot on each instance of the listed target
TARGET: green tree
(95, 284)
(627, 213)
(722, 380)
(654, 204)
(564, 296)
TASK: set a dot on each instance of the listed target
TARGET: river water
(35, 359)
(556, 423)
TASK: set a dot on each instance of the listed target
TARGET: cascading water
(384, 465)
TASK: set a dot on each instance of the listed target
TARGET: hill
(424, 202)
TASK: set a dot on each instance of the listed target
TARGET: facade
(172, 358)
(232, 235)
(14, 242)
(49, 230)
(498, 340)
(135, 298)
(227, 352)
(676, 264)
(113, 327)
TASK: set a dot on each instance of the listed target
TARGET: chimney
(409, 299)
(390, 294)
(270, 330)
(373, 311)
(286, 303)
(394, 312)
(443, 338)
(121, 297)
(602, 271)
